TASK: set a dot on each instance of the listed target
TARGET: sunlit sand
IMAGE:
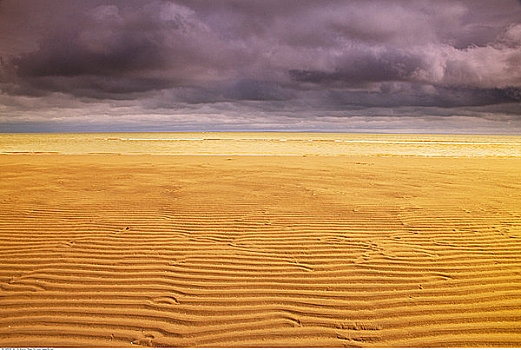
(331, 249)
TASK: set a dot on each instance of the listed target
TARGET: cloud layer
(260, 65)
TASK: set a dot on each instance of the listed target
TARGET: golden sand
(259, 251)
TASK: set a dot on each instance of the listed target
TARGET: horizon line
(266, 131)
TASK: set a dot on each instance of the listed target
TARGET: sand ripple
(280, 251)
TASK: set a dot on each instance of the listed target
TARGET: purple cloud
(223, 59)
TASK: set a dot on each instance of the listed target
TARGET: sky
(260, 65)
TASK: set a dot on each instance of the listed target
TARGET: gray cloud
(212, 62)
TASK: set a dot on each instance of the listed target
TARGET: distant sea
(299, 144)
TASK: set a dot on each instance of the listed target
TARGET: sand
(108, 250)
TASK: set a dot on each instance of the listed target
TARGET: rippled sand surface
(177, 250)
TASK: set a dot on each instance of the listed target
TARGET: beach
(122, 250)
(240, 174)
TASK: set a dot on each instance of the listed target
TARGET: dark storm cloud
(363, 67)
(275, 59)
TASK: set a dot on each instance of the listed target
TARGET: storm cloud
(97, 65)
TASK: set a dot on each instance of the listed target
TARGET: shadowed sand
(259, 251)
